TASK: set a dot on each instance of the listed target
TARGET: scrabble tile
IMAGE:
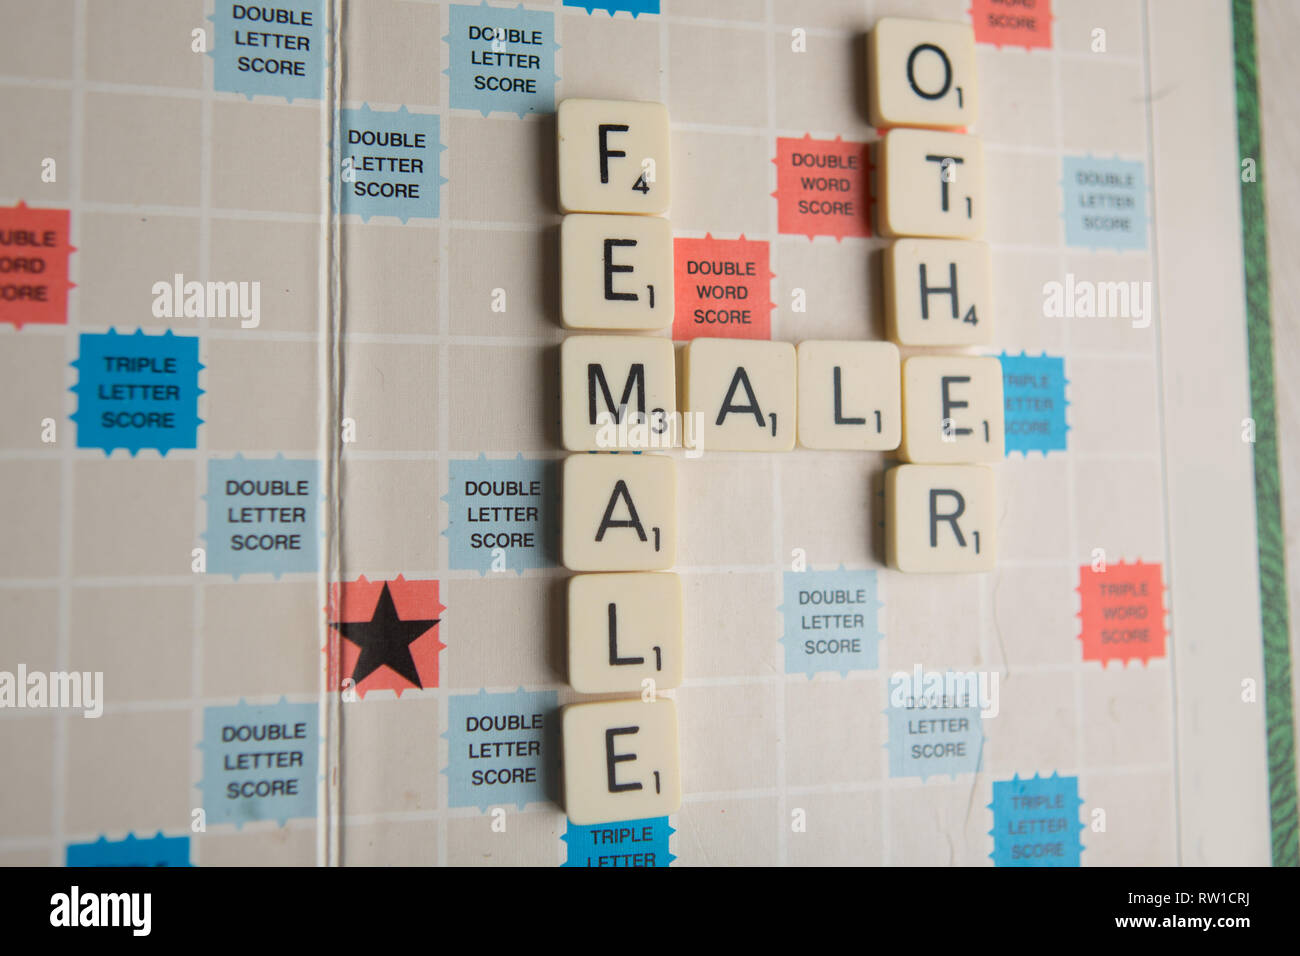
(624, 629)
(952, 409)
(616, 272)
(940, 518)
(620, 513)
(741, 393)
(620, 760)
(617, 392)
(938, 292)
(613, 156)
(921, 73)
(850, 395)
(932, 184)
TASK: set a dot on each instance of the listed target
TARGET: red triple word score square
(1122, 612)
(1026, 23)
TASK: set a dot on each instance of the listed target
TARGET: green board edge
(1279, 714)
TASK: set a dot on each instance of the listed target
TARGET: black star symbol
(385, 639)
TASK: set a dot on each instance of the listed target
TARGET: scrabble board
(280, 352)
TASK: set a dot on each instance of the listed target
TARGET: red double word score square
(722, 288)
(383, 635)
(1122, 612)
(1026, 23)
(34, 254)
(821, 188)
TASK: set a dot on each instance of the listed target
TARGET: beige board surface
(161, 174)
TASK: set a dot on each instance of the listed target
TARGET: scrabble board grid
(423, 399)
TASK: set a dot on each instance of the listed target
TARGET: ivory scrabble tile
(617, 392)
(625, 629)
(938, 292)
(932, 184)
(921, 73)
(613, 156)
(940, 518)
(620, 760)
(741, 393)
(616, 272)
(849, 395)
(620, 513)
(952, 409)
